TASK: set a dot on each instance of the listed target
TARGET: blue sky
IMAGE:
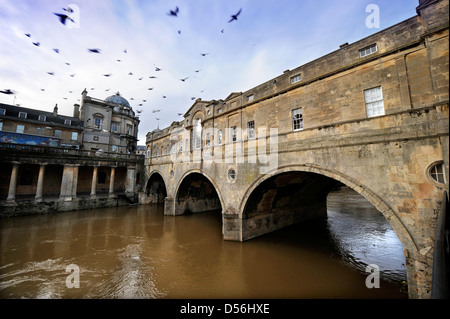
(268, 37)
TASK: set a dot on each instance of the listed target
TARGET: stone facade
(372, 115)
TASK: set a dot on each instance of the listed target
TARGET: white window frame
(20, 128)
(296, 78)
(115, 127)
(74, 134)
(42, 118)
(59, 135)
(368, 50)
(437, 173)
(22, 115)
(100, 121)
(67, 122)
(251, 130)
(250, 97)
(373, 99)
(219, 137)
(297, 119)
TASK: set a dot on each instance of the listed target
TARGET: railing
(441, 272)
(22, 148)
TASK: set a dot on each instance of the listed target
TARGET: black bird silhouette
(174, 13)
(184, 79)
(28, 35)
(164, 96)
(155, 111)
(36, 44)
(107, 74)
(152, 77)
(140, 79)
(69, 9)
(125, 51)
(51, 73)
(130, 73)
(42, 89)
(72, 75)
(157, 69)
(94, 50)
(7, 91)
(197, 71)
(150, 89)
(56, 50)
(234, 16)
(179, 114)
(204, 54)
(63, 17)
(67, 63)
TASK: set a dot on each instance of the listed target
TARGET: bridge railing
(441, 271)
(24, 148)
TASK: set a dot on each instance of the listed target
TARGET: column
(75, 181)
(111, 182)
(67, 183)
(94, 182)
(13, 183)
(40, 183)
(131, 180)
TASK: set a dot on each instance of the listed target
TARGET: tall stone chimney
(55, 110)
(76, 111)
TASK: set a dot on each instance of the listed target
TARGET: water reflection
(137, 252)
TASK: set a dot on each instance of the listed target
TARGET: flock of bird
(65, 17)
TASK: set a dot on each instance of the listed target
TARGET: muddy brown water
(137, 252)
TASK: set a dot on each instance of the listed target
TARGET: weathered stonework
(385, 158)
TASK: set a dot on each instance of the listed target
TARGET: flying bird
(140, 79)
(56, 50)
(130, 73)
(94, 50)
(63, 17)
(42, 90)
(36, 44)
(157, 118)
(67, 63)
(164, 96)
(28, 35)
(155, 111)
(51, 73)
(157, 69)
(197, 71)
(174, 13)
(7, 91)
(152, 77)
(179, 114)
(107, 74)
(150, 89)
(204, 54)
(72, 75)
(69, 9)
(184, 79)
(125, 51)
(234, 16)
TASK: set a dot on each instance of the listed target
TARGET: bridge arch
(195, 192)
(392, 218)
(155, 188)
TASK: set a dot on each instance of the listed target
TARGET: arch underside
(156, 190)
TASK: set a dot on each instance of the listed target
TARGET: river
(137, 252)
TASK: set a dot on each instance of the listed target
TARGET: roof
(117, 99)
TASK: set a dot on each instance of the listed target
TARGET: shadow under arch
(155, 188)
(395, 222)
(196, 192)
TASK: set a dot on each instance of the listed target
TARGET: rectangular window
(296, 78)
(233, 133)
(114, 148)
(1, 126)
(40, 130)
(251, 97)
(97, 123)
(129, 128)
(374, 101)
(219, 137)
(297, 119)
(2, 111)
(20, 128)
(58, 133)
(219, 111)
(42, 118)
(368, 50)
(115, 127)
(67, 122)
(74, 136)
(148, 153)
(251, 130)
(22, 115)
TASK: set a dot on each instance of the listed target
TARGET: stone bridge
(372, 115)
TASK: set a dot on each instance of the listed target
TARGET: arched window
(436, 172)
(198, 134)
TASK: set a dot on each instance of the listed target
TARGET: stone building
(110, 125)
(19, 125)
(372, 115)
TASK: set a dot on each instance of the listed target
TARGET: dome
(117, 99)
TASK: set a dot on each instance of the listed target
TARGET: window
(374, 101)
(129, 129)
(114, 148)
(20, 128)
(219, 111)
(2, 111)
(208, 140)
(232, 174)
(296, 78)
(157, 152)
(168, 149)
(197, 133)
(40, 130)
(115, 127)
(42, 117)
(97, 123)
(233, 133)
(67, 122)
(368, 50)
(437, 172)
(1, 126)
(251, 97)
(148, 153)
(219, 137)
(297, 119)
(251, 130)
(74, 136)
(58, 133)
(22, 115)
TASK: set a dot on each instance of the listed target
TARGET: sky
(135, 38)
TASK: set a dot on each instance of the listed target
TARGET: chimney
(76, 111)
(55, 110)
